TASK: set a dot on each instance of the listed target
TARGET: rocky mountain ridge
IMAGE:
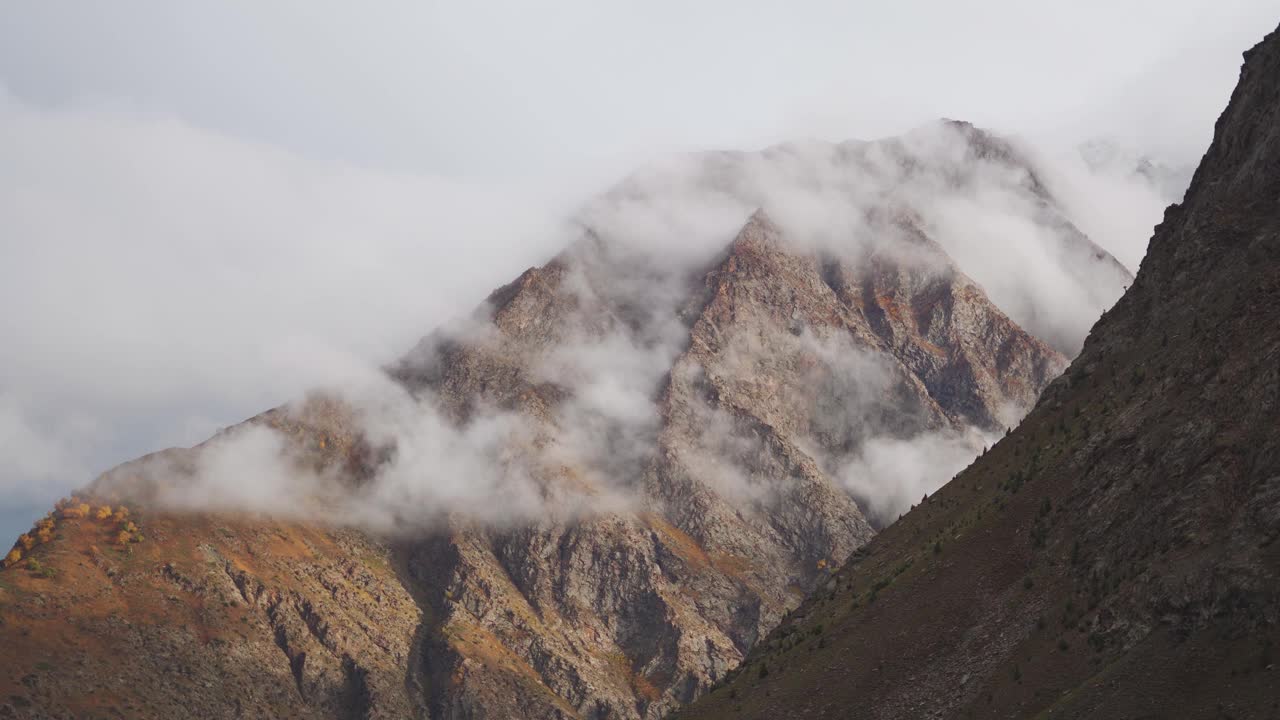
(665, 541)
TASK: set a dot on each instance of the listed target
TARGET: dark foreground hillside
(1116, 555)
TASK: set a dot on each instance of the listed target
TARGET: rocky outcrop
(208, 618)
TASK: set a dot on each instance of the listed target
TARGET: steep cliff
(1115, 555)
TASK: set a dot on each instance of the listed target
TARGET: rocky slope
(665, 537)
(1114, 556)
(673, 595)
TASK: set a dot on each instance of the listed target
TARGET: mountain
(1115, 555)
(595, 496)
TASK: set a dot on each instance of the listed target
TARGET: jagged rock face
(632, 614)
(671, 534)
(1115, 556)
(983, 199)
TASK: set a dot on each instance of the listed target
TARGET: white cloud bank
(160, 280)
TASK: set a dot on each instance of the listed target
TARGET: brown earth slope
(771, 367)
(1116, 555)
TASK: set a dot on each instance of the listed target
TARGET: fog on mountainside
(1115, 555)
(658, 445)
(898, 426)
(298, 322)
(356, 199)
(990, 205)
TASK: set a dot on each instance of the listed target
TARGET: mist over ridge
(943, 199)
(604, 361)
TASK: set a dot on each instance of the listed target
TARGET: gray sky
(195, 195)
(503, 88)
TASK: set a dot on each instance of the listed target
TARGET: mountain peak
(758, 234)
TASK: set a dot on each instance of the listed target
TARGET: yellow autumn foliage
(103, 512)
(26, 541)
(13, 557)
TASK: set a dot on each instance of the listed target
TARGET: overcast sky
(193, 196)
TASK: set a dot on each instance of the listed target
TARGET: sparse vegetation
(44, 529)
(128, 532)
(40, 569)
(1137, 376)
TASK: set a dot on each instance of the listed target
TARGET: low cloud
(165, 279)
(889, 475)
(1113, 194)
(159, 280)
(36, 451)
(983, 201)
